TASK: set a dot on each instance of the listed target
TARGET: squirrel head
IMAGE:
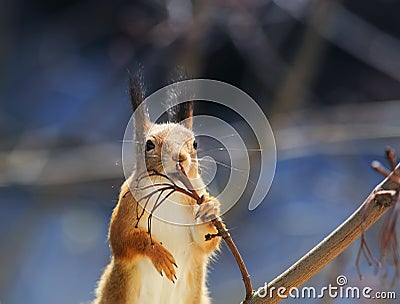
(168, 146)
(163, 147)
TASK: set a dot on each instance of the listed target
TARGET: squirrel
(169, 263)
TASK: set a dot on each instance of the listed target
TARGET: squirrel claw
(163, 260)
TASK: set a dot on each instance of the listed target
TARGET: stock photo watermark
(339, 290)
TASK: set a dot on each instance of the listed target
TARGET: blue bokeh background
(325, 73)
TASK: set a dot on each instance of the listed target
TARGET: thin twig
(365, 250)
(223, 232)
(388, 237)
(160, 188)
(391, 158)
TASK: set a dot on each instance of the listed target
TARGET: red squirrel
(169, 263)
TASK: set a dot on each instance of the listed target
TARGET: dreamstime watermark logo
(223, 132)
(340, 290)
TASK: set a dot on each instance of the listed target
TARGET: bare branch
(377, 203)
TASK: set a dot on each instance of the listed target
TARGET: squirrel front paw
(208, 209)
(163, 260)
(204, 235)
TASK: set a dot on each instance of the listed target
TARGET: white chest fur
(179, 241)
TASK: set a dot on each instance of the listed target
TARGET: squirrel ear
(141, 116)
(183, 112)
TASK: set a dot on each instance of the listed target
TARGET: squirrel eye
(149, 145)
(195, 145)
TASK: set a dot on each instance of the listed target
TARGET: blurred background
(326, 74)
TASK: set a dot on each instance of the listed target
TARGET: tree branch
(377, 203)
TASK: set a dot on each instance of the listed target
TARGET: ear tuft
(136, 89)
(140, 116)
(183, 111)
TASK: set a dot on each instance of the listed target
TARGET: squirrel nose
(181, 158)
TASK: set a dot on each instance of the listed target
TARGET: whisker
(202, 166)
(232, 149)
(129, 141)
(223, 164)
(229, 135)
